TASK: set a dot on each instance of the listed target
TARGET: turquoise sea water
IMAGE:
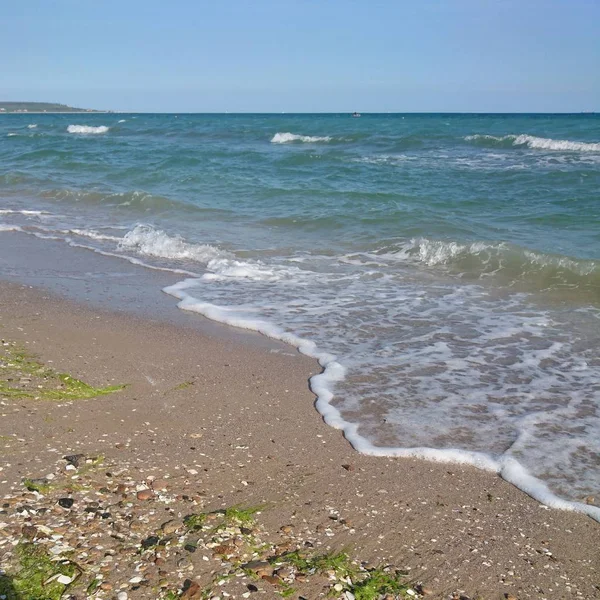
(444, 269)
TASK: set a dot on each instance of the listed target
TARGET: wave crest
(148, 241)
(532, 141)
(506, 261)
(286, 138)
(87, 129)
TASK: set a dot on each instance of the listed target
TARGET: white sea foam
(539, 143)
(443, 356)
(4, 227)
(286, 138)
(148, 241)
(10, 211)
(549, 144)
(122, 121)
(32, 126)
(12, 134)
(245, 315)
(93, 235)
(87, 129)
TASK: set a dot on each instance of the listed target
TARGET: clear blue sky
(303, 55)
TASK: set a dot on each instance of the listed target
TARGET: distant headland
(43, 107)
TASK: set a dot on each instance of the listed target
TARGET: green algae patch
(36, 575)
(22, 376)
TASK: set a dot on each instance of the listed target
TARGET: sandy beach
(212, 419)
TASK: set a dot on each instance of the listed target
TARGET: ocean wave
(87, 129)
(534, 142)
(286, 138)
(10, 211)
(32, 126)
(133, 200)
(92, 234)
(509, 262)
(149, 241)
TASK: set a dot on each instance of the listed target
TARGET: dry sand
(233, 422)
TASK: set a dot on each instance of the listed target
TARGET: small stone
(287, 529)
(29, 531)
(272, 579)
(510, 596)
(191, 590)
(590, 500)
(252, 588)
(66, 502)
(122, 596)
(74, 459)
(224, 549)
(169, 527)
(260, 567)
(135, 579)
(348, 467)
(64, 579)
(106, 586)
(150, 541)
(160, 485)
(145, 495)
(338, 587)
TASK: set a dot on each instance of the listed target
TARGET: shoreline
(451, 527)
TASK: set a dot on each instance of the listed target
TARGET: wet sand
(231, 418)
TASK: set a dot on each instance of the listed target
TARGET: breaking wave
(286, 138)
(87, 129)
(148, 241)
(509, 262)
(532, 141)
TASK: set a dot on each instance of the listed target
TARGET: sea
(444, 269)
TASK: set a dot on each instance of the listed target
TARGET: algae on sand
(36, 575)
(21, 376)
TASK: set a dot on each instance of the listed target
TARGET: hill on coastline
(40, 107)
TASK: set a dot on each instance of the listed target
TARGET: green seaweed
(244, 516)
(184, 385)
(195, 521)
(31, 581)
(43, 382)
(378, 583)
(36, 486)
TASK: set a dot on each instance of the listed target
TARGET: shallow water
(445, 269)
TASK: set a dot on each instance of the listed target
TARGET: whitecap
(87, 129)
(286, 138)
(539, 143)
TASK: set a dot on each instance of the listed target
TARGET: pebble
(122, 596)
(66, 502)
(145, 495)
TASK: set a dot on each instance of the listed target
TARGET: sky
(303, 55)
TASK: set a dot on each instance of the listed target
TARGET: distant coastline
(43, 107)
